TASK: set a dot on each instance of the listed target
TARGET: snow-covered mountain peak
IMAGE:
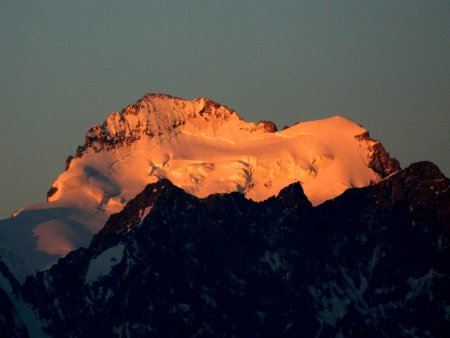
(202, 147)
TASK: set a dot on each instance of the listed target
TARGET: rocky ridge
(371, 262)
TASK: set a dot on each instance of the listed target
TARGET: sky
(65, 65)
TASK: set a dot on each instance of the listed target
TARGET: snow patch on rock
(101, 265)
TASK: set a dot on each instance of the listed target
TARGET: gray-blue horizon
(66, 65)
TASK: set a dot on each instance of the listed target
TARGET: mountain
(200, 146)
(178, 218)
(372, 262)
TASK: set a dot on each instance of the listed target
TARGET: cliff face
(380, 160)
(371, 262)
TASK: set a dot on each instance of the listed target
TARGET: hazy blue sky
(66, 64)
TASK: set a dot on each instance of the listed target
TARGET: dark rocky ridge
(380, 162)
(373, 262)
